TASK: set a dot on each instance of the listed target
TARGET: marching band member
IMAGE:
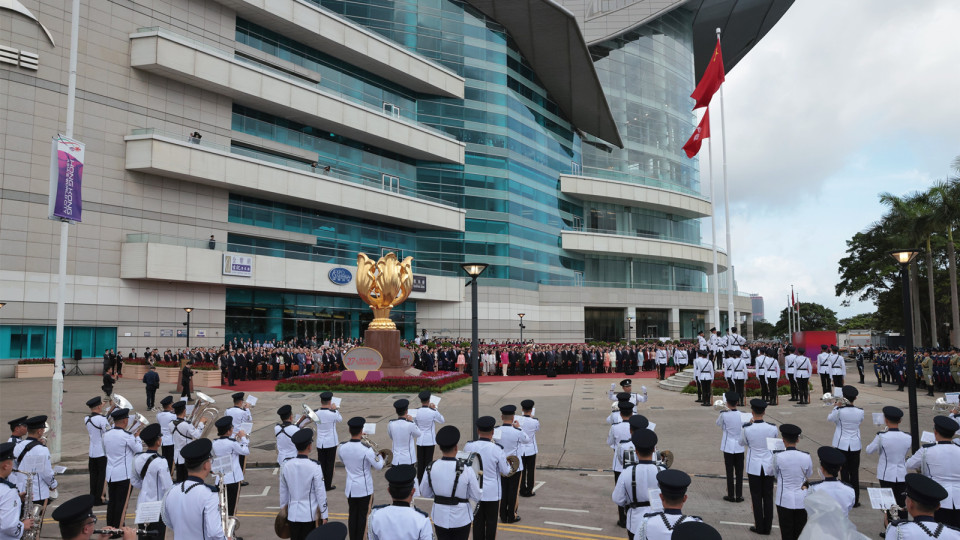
(327, 441)
(11, 528)
(494, 464)
(427, 416)
(452, 514)
(732, 425)
(77, 521)
(831, 461)
(151, 474)
(792, 467)
(941, 462)
(358, 459)
(626, 386)
(619, 434)
(18, 429)
(182, 432)
(235, 447)
(846, 438)
(404, 434)
(121, 449)
(283, 432)
(191, 507)
(33, 458)
(923, 498)
(511, 437)
(673, 486)
(400, 521)
(165, 418)
(97, 426)
(528, 451)
(240, 412)
(893, 445)
(301, 488)
(759, 466)
(632, 489)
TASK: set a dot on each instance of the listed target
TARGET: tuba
(204, 409)
(229, 523)
(720, 405)
(514, 462)
(386, 454)
(942, 406)
(308, 414)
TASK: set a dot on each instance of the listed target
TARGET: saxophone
(229, 523)
(31, 510)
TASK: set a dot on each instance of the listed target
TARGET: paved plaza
(574, 480)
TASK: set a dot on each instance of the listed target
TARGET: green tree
(813, 316)
(946, 201)
(863, 321)
(763, 330)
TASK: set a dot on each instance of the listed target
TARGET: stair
(678, 382)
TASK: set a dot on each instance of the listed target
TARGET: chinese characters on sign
(237, 265)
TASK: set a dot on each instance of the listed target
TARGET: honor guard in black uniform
(632, 490)
(511, 437)
(18, 429)
(165, 418)
(846, 438)
(792, 467)
(400, 520)
(941, 462)
(893, 446)
(301, 488)
(97, 426)
(831, 461)
(327, 440)
(922, 499)
(759, 466)
(673, 486)
(77, 521)
(193, 507)
(10, 505)
(528, 451)
(151, 474)
(493, 463)
(451, 485)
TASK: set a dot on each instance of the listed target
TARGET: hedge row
(332, 382)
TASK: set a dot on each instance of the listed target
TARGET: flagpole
(713, 224)
(789, 320)
(726, 208)
(798, 314)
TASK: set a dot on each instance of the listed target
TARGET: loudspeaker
(78, 354)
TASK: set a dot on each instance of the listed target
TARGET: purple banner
(66, 174)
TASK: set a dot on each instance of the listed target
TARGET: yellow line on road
(540, 531)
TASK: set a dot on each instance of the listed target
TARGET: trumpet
(720, 405)
(204, 409)
(308, 414)
(385, 454)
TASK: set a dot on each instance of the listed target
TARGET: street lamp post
(187, 324)
(904, 257)
(629, 328)
(521, 315)
(474, 270)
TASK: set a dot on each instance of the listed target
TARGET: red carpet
(268, 386)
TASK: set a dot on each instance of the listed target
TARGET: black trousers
(181, 470)
(739, 384)
(838, 382)
(706, 392)
(118, 492)
(850, 472)
(793, 386)
(803, 388)
(661, 371)
(159, 526)
(947, 516)
(459, 533)
(761, 494)
(424, 458)
(699, 391)
(734, 466)
(186, 390)
(899, 493)
(792, 521)
(233, 490)
(327, 457)
(621, 510)
(485, 520)
(98, 475)
(527, 474)
(774, 392)
(825, 382)
(300, 530)
(358, 508)
(764, 392)
(151, 396)
(508, 502)
(167, 453)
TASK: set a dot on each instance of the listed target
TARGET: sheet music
(148, 512)
(370, 428)
(413, 413)
(746, 417)
(952, 397)
(774, 444)
(652, 426)
(252, 400)
(246, 427)
(881, 498)
(59, 469)
(878, 419)
(656, 505)
(336, 401)
(435, 400)
(497, 433)
(222, 464)
(927, 437)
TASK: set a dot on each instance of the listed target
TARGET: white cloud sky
(839, 102)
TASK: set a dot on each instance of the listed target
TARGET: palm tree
(946, 202)
(906, 216)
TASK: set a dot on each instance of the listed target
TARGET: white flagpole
(713, 224)
(789, 319)
(731, 319)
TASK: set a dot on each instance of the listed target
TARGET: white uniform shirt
(635, 398)
(192, 510)
(701, 343)
(399, 521)
(773, 368)
(712, 342)
(425, 420)
(803, 367)
(732, 425)
(285, 447)
(941, 462)
(738, 368)
(530, 426)
(165, 419)
(735, 341)
(680, 357)
(703, 369)
(837, 365)
(789, 364)
(404, 434)
(840, 492)
(846, 436)
(182, 432)
(438, 480)
(10, 526)
(761, 369)
(36, 462)
(921, 529)
(722, 343)
(823, 368)
(661, 357)
(327, 428)
(240, 416)
(633, 491)
(512, 438)
(357, 460)
(493, 463)
(660, 525)
(234, 448)
(121, 447)
(792, 467)
(893, 445)
(301, 489)
(618, 435)
(754, 439)
(155, 482)
(96, 425)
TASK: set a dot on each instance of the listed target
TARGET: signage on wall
(237, 265)
(166, 332)
(201, 333)
(339, 276)
(419, 283)
(181, 333)
(66, 175)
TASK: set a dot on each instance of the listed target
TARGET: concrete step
(674, 384)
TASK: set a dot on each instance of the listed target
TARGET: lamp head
(521, 315)
(474, 269)
(904, 256)
(188, 309)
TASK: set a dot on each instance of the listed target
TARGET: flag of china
(702, 132)
(711, 81)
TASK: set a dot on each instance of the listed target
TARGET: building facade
(238, 157)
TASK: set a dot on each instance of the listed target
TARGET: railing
(647, 236)
(632, 178)
(339, 174)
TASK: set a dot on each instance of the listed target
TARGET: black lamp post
(904, 257)
(187, 324)
(474, 270)
(521, 315)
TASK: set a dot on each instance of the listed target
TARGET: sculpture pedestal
(387, 343)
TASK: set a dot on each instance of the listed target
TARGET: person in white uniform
(838, 367)
(283, 432)
(427, 418)
(528, 451)
(358, 459)
(301, 488)
(773, 378)
(846, 438)
(790, 367)
(182, 432)
(451, 485)
(823, 369)
(165, 418)
(632, 490)
(792, 468)
(759, 466)
(33, 457)
(660, 525)
(941, 461)
(11, 527)
(731, 424)
(151, 474)
(626, 386)
(802, 375)
(97, 426)
(617, 436)
(327, 441)
(191, 508)
(121, 449)
(493, 462)
(511, 437)
(703, 372)
(922, 499)
(226, 445)
(400, 520)
(77, 521)
(404, 434)
(831, 460)
(893, 446)
(240, 412)
(680, 358)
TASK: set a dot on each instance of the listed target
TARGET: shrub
(27, 361)
(435, 382)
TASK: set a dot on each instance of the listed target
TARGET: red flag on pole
(702, 132)
(712, 78)
(793, 299)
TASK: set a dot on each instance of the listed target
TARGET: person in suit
(151, 381)
(186, 380)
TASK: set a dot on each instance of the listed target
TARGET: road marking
(743, 524)
(565, 510)
(266, 490)
(275, 469)
(555, 533)
(537, 486)
(272, 507)
(574, 526)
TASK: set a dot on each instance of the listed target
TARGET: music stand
(76, 368)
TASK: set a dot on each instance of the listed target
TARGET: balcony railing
(632, 178)
(648, 236)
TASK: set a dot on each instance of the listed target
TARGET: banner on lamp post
(66, 174)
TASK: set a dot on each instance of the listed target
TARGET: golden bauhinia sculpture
(384, 284)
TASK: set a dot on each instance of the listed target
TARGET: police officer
(618, 435)
(923, 497)
(151, 475)
(838, 368)
(632, 489)
(703, 371)
(404, 434)
(846, 438)
(661, 360)
(165, 418)
(759, 466)
(77, 521)
(626, 386)
(121, 449)
(97, 426)
(301, 488)
(731, 424)
(233, 447)
(673, 486)
(400, 521)
(358, 459)
(10, 506)
(452, 486)
(528, 451)
(33, 457)
(792, 467)
(761, 372)
(283, 432)
(802, 376)
(831, 461)
(824, 369)
(240, 412)
(493, 462)
(941, 462)
(789, 365)
(193, 507)
(738, 368)
(327, 440)
(427, 417)
(893, 445)
(182, 432)
(511, 437)
(773, 378)
(18, 429)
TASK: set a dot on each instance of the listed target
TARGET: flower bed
(751, 387)
(440, 381)
(33, 361)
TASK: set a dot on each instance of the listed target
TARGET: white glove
(54, 494)
(644, 388)
(613, 385)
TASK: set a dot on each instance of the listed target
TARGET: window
(391, 110)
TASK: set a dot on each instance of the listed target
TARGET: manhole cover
(268, 446)
(374, 416)
(549, 384)
(295, 395)
(587, 409)
(658, 408)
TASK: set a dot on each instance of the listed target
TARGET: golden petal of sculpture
(383, 285)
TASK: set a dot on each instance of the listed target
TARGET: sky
(840, 102)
